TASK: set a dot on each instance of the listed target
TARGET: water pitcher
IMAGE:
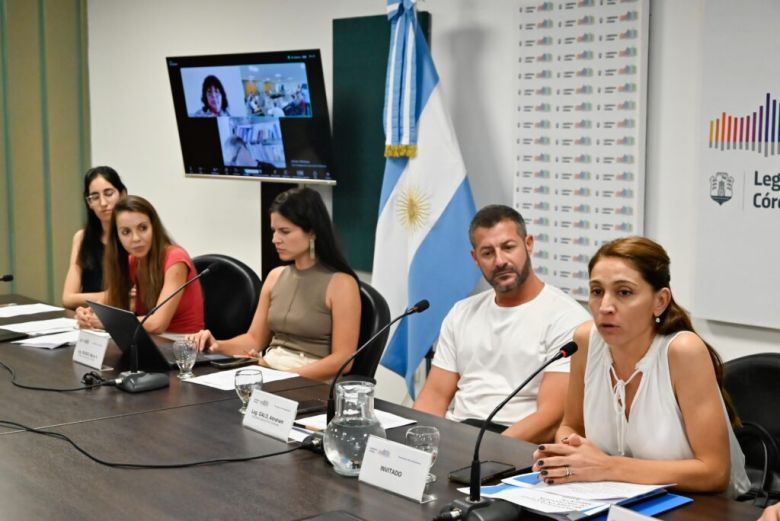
(347, 434)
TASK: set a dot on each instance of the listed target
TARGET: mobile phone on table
(311, 406)
(232, 363)
(491, 470)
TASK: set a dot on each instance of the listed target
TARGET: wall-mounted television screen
(258, 115)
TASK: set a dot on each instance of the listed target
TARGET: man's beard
(520, 278)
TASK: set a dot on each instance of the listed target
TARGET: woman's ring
(568, 472)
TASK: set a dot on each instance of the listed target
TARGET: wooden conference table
(45, 478)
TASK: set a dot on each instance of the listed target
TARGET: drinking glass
(247, 380)
(185, 353)
(427, 439)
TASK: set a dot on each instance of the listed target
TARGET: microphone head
(211, 268)
(569, 349)
(420, 306)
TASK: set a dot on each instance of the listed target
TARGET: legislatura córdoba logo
(721, 187)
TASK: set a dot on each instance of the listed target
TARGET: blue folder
(648, 507)
(654, 505)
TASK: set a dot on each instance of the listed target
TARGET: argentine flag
(422, 247)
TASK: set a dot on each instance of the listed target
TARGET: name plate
(617, 513)
(91, 348)
(395, 467)
(270, 414)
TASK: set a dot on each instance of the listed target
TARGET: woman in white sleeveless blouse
(645, 402)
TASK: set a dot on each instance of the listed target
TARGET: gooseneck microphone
(417, 308)
(7, 278)
(474, 507)
(135, 381)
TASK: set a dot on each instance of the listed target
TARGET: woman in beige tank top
(308, 315)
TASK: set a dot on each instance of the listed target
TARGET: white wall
(134, 129)
(133, 123)
(671, 187)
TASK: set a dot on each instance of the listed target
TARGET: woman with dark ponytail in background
(645, 401)
(84, 281)
(307, 320)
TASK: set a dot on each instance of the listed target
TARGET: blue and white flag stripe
(400, 89)
(422, 247)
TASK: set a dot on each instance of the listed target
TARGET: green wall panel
(43, 139)
(360, 48)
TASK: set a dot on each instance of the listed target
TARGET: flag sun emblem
(413, 208)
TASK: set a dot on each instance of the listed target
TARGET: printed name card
(91, 348)
(617, 513)
(270, 414)
(395, 467)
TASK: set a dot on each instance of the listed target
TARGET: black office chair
(753, 382)
(230, 294)
(375, 314)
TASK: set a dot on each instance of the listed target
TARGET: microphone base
(314, 443)
(486, 509)
(139, 381)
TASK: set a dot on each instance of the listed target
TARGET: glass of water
(425, 438)
(185, 353)
(247, 380)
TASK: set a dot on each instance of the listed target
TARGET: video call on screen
(258, 115)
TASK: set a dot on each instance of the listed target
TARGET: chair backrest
(230, 295)
(375, 314)
(753, 382)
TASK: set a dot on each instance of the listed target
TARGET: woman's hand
(771, 513)
(86, 318)
(204, 340)
(574, 459)
(255, 355)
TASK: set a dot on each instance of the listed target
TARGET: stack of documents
(51, 341)
(46, 334)
(572, 500)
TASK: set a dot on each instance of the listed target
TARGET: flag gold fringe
(400, 150)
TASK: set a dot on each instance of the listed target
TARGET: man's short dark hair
(493, 214)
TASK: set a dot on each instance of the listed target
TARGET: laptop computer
(154, 353)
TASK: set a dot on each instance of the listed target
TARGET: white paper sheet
(299, 434)
(595, 491)
(386, 420)
(224, 380)
(603, 490)
(590, 497)
(543, 501)
(50, 341)
(37, 327)
(17, 310)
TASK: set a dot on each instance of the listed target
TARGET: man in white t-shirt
(490, 342)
